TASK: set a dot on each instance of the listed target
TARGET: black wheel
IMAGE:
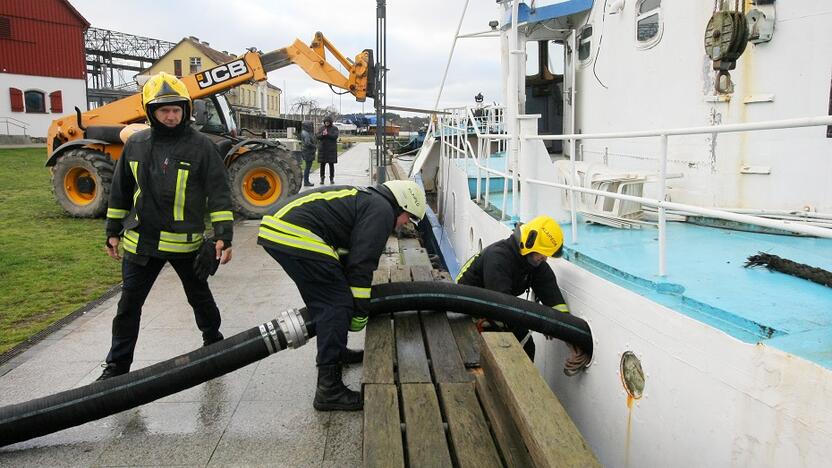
(260, 180)
(81, 182)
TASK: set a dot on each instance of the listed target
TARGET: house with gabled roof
(42, 64)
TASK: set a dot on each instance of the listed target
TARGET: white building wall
(74, 93)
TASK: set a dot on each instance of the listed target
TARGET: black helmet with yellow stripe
(164, 89)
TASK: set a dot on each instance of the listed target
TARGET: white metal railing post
(662, 214)
(572, 204)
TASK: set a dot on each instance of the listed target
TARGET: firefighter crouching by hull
(517, 264)
(166, 180)
(329, 241)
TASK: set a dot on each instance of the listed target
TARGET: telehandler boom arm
(249, 67)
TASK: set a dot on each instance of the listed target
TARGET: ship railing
(478, 157)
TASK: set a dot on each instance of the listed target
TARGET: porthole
(648, 23)
(632, 375)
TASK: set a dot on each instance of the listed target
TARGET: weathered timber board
(511, 445)
(421, 272)
(415, 256)
(379, 351)
(550, 435)
(473, 446)
(382, 427)
(424, 431)
(444, 355)
(410, 349)
(399, 274)
(465, 331)
(409, 243)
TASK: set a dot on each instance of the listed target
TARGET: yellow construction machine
(84, 146)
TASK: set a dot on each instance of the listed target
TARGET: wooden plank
(472, 443)
(379, 351)
(400, 274)
(444, 356)
(382, 427)
(410, 349)
(381, 275)
(424, 430)
(550, 435)
(421, 273)
(465, 331)
(415, 256)
(468, 340)
(409, 243)
(510, 443)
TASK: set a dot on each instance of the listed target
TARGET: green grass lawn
(50, 264)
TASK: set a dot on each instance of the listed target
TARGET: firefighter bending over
(329, 241)
(517, 264)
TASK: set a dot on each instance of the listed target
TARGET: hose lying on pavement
(291, 329)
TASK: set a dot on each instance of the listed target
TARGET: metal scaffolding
(111, 57)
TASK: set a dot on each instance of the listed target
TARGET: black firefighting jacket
(342, 224)
(500, 267)
(162, 187)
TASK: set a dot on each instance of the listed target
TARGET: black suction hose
(291, 329)
(478, 302)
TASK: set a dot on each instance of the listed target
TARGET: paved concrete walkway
(259, 415)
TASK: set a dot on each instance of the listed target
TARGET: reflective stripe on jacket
(163, 188)
(342, 224)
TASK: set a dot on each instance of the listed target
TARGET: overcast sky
(419, 37)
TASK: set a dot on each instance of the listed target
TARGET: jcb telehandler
(84, 146)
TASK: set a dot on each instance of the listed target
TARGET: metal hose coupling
(294, 329)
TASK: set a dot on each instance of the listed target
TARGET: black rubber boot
(307, 183)
(332, 394)
(113, 370)
(352, 356)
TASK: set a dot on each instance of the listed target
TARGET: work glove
(359, 314)
(206, 262)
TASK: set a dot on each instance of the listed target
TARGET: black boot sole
(337, 406)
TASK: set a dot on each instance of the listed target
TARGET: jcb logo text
(221, 73)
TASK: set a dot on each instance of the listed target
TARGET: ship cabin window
(648, 23)
(585, 44)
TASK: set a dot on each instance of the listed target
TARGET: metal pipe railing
(660, 204)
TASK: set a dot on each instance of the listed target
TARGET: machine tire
(81, 181)
(260, 180)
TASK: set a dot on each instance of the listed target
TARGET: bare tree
(304, 105)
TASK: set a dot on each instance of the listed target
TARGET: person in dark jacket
(167, 179)
(307, 141)
(328, 149)
(515, 265)
(329, 241)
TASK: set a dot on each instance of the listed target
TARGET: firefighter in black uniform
(329, 240)
(517, 264)
(166, 180)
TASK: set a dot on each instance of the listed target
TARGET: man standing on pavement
(307, 142)
(328, 149)
(329, 241)
(166, 181)
(519, 263)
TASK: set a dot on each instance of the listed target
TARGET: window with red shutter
(177, 68)
(16, 98)
(56, 102)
